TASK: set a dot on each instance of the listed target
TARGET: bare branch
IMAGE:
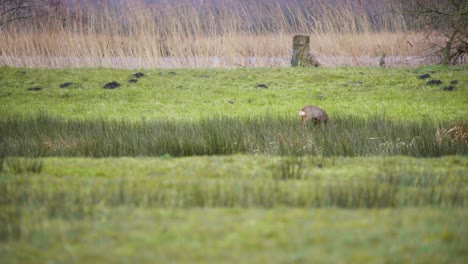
(446, 17)
(12, 10)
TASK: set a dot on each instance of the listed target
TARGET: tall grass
(208, 34)
(274, 135)
(77, 198)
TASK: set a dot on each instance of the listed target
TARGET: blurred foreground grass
(221, 235)
(74, 187)
(234, 209)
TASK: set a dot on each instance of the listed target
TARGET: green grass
(197, 94)
(273, 135)
(233, 209)
(217, 112)
(285, 235)
(204, 166)
(65, 186)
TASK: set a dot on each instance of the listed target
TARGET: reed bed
(273, 135)
(211, 34)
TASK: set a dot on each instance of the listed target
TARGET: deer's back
(314, 112)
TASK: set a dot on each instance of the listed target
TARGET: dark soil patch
(424, 76)
(65, 85)
(434, 82)
(138, 75)
(112, 85)
(35, 88)
(449, 88)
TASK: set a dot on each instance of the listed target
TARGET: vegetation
(233, 208)
(194, 235)
(214, 164)
(183, 94)
(101, 165)
(349, 136)
(62, 186)
(147, 34)
(218, 112)
(449, 19)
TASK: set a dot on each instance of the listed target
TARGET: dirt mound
(111, 85)
(65, 85)
(35, 88)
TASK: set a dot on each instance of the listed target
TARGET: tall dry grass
(225, 33)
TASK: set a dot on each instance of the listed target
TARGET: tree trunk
(300, 50)
(447, 55)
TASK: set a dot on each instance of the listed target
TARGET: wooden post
(300, 55)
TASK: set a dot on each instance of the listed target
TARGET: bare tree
(448, 18)
(11, 10)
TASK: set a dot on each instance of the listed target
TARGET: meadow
(168, 132)
(211, 165)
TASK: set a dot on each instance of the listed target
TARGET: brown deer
(314, 113)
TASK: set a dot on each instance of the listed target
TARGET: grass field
(213, 235)
(194, 166)
(234, 209)
(182, 94)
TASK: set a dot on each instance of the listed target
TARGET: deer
(314, 113)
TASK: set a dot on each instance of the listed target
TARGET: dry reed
(134, 34)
